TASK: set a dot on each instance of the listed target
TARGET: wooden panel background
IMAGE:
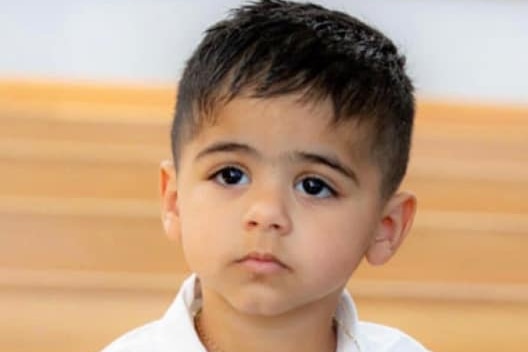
(83, 257)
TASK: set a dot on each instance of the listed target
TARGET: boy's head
(272, 48)
(291, 135)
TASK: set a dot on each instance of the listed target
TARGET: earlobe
(169, 200)
(395, 224)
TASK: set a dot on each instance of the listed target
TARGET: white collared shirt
(175, 332)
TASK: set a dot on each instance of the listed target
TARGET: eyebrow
(226, 147)
(329, 161)
(314, 158)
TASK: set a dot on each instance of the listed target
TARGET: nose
(268, 211)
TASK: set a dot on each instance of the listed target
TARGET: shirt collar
(178, 321)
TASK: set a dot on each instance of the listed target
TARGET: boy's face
(275, 207)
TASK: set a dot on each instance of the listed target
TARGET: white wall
(457, 49)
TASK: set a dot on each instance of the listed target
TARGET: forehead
(290, 115)
(282, 126)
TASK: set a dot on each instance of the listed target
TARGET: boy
(290, 139)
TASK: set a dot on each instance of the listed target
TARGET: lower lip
(262, 266)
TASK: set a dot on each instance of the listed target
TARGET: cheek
(208, 232)
(336, 246)
(337, 256)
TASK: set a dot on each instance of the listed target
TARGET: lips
(263, 263)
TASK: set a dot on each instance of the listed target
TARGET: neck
(309, 328)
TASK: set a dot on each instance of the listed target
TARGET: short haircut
(274, 47)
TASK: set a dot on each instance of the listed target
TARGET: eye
(315, 187)
(230, 175)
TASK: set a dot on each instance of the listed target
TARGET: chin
(261, 305)
(262, 309)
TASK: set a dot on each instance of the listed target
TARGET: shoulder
(172, 332)
(381, 338)
(140, 339)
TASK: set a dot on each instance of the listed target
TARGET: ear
(395, 223)
(169, 200)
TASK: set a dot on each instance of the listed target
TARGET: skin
(274, 177)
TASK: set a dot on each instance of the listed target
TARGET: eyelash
(215, 176)
(331, 192)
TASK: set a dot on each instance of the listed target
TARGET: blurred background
(86, 97)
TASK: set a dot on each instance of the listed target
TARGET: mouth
(262, 263)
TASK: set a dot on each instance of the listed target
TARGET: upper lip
(263, 257)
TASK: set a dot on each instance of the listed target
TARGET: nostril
(254, 224)
(276, 226)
